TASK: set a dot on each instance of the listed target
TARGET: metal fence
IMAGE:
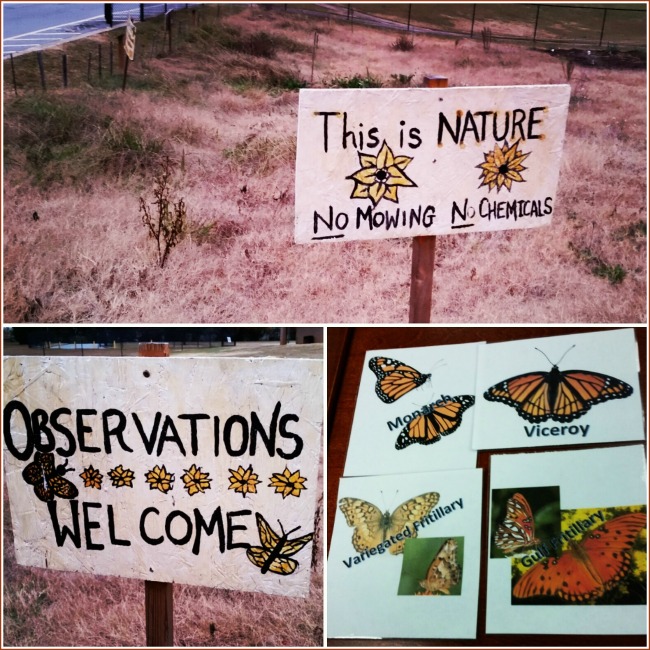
(538, 24)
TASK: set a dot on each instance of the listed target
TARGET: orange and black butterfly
(394, 378)
(557, 395)
(274, 554)
(438, 419)
(49, 481)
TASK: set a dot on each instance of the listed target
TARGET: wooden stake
(13, 74)
(64, 63)
(424, 252)
(126, 69)
(41, 69)
(158, 596)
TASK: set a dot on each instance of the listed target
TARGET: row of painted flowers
(244, 481)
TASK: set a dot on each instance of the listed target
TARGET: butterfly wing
(394, 378)
(61, 487)
(588, 569)
(444, 571)
(607, 547)
(440, 419)
(292, 546)
(517, 531)
(368, 521)
(281, 565)
(39, 473)
(560, 396)
(406, 514)
(268, 537)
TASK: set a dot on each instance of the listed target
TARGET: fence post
(536, 23)
(64, 63)
(471, 31)
(408, 20)
(41, 69)
(13, 74)
(90, 60)
(424, 252)
(99, 60)
(602, 29)
(158, 596)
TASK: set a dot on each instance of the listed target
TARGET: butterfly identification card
(560, 390)
(414, 410)
(568, 542)
(200, 471)
(404, 556)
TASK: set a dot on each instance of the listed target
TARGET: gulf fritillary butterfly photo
(607, 565)
(522, 518)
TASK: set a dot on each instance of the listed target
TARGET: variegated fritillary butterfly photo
(373, 527)
(606, 565)
(432, 566)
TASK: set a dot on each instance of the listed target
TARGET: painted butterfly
(372, 527)
(587, 569)
(48, 481)
(438, 419)
(557, 395)
(394, 378)
(275, 553)
(444, 571)
(516, 533)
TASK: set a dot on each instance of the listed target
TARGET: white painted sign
(198, 471)
(385, 163)
(129, 39)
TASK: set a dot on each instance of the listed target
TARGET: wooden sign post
(158, 596)
(129, 48)
(420, 162)
(168, 470)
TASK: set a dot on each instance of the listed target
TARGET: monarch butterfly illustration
(516, 533)
(275, 553)
(589, 568)
(48, 481)
(558, 395)
(372, 526)
(394, 378)
(444, 571)
(438, 419)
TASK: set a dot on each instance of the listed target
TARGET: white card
(597, 584)
(386, 438)
(603, 398)
(372, 592)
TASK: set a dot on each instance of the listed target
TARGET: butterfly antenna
(562, 357)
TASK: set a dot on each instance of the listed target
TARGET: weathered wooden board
(383, 163)
(165, 469)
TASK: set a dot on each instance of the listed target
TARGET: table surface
(346, 348)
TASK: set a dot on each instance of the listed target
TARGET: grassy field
(222, 108)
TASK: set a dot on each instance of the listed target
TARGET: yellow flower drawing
(92, 477)
(121, 477)
(243, 480)
(380, 176)
(288, 484)
(502, 166)
(159, 479)
(195, 480)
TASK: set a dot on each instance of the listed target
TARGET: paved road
(29, 26)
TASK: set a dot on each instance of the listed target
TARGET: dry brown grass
(88, 259)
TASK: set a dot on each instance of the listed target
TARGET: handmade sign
(129, 38)
(560, 390)
(383, 163)
(198, 471)
(404, 556)
(415, 410)
(566, 541)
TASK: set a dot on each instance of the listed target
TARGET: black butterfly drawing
(48, 481)
(274, 554)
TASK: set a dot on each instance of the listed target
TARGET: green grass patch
(356, 81)
(615, 274)
(59, 138)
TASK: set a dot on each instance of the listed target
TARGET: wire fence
(542, 25)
